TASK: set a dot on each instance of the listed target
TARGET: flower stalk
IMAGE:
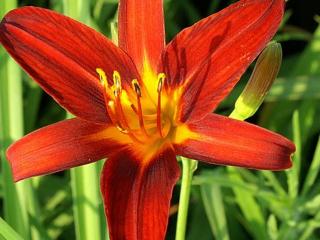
(189, 166)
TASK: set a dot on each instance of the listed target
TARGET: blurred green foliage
(226, 203)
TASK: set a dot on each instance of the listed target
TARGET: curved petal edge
(224, 141)
(137, 194)
(60, 146)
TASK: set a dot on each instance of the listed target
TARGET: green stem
(15, 196)
(21, 209)
(87, 203)
(188, 168)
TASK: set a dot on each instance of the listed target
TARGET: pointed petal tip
(15, 11)
(224, 141)
(283, 164)
(47, 46)
(237, 35)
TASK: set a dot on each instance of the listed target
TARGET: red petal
(141, 30)
(61, 146)
(209, 57)
(221, 140)
(62, 56)
(137, 194)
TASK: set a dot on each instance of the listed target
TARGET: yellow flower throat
(138, 113)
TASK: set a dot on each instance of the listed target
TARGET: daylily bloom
(142, 103)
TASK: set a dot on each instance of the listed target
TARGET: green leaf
(18, 203)
(199, 225)
(313, 205)
(272, 227)
(273, 181)
(7, 232)
(313, 170)
(309, 62)
(87, 202)
(214, 207)
(295, 88)
(294, 173)
(250, 208)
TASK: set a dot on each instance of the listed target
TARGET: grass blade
(7, 232)
(87, 202)
(15, 196)
(313, 170)
(249, 207)
(294, 173)
(295, 88)
(273, 181)
(214, 207)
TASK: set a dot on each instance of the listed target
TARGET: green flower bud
(265, 72)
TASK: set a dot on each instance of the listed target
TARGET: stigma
(138, 116)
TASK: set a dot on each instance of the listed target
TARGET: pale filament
(137, 89)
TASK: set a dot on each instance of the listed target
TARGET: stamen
(120, 112)
(117, 89)
(104, 83)
(161, 78)
(102, 77)
(117, 83)
(137, 89)
(122, 123)
(112, 114)
(114, 107)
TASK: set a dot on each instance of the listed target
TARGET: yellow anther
(161, 78)
(122, 129)
(136, 87)
(102, 77)
(117, 83)
(117, 79)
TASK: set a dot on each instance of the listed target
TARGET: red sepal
(60, 146)
(62, 55)
(141, 30)
(137, 194)
(209, 57)
(224, 141)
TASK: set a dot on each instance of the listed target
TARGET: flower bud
(114, 32)
(261, 80)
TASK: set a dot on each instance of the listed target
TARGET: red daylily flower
(142, 103)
